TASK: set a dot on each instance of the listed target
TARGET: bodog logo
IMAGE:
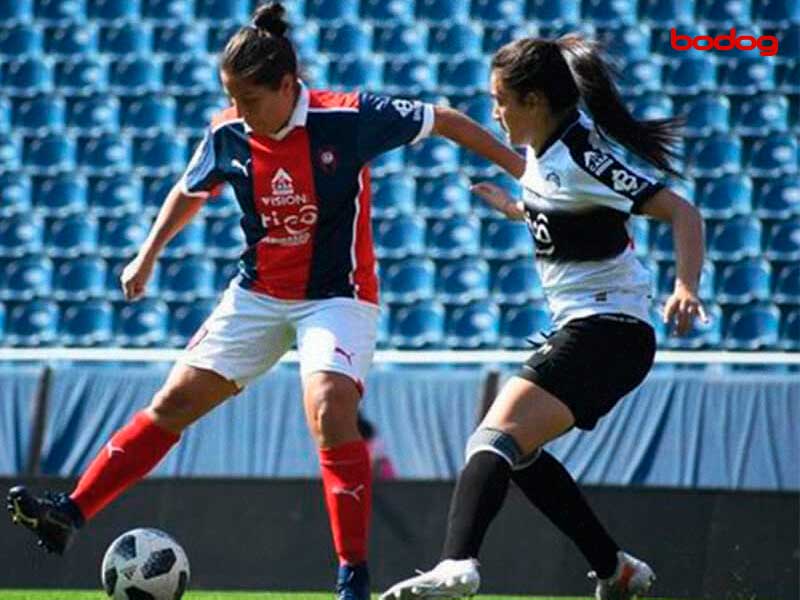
(766, 44)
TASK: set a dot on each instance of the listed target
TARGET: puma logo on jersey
(347, 355)
(342, 491)
(235, 163)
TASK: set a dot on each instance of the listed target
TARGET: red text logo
(766, 44)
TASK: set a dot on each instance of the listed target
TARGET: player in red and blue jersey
(298, 161)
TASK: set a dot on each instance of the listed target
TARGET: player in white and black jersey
(577, 199)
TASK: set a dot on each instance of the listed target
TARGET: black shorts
(590, 364)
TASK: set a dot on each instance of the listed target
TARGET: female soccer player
(298, 162)
(577, 198)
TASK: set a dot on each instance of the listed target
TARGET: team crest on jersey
(282, 184)
(328, 160)
(554, 179)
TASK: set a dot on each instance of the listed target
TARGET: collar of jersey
(568, 122)
(297, 119)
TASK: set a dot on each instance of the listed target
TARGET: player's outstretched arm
(177, 210)
(465, 132)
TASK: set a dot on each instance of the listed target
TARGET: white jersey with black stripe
(578, 197)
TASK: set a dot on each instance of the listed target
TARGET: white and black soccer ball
(145, 564)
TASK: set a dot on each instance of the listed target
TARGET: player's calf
(53, 518)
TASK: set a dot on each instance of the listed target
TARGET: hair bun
(269, 17)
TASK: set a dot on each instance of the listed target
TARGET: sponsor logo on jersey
(289, 215)
(623, 181)
(404, 107)
(597, 162)
(541, 233)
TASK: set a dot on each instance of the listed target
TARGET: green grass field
(97, 595)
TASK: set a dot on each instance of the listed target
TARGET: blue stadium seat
(475, 165)
(775, 155)
(443, 197)
(641, 76)
(409, 76)
(224, 204)
(418, 325)
(2, 323)
(186, 319)
(401, 40)
(179, 39)
(661, 242)
(498, 11)
(475, 325)
(626, 43)
(332, 10)
(72, 236)
(11, 151)
(105, 154)
(393, 195)
(39, 113)
(789, 78)
(27, 76)
(661, 42)
(609, 12)
(761, 114)
(222, 10)
(168, 10)
(455, 39)
(142, 323)
(666, 12)
(49, 153)
(188, 241)
(20, 11)
(790, 331)
(725, 197)
(195, 112)
(225, 237)
(162, 153)
(666, 280)
(115, 195)
(789, 42)
(521, 323)
(496, 35)
(155, 191)
(504, 182)
(113, 10)
(691, 75)
(651, 106)
(639, 232)
(442, 11)
(517, 282)
(80, 278)
(70, 39)
(21, 234)
(20, 40)
(59, 10)
(553, 12)
(219, 34)
(784, 240)
(114, 268)
(408, 280)
(187, 278)
(752, 328)
(27, 278)
(745, 282)
(706, 114)
(345, 38)
(86, 324)
(479, 107)
(504, 239)
(122, 237)
(316, 71)
(778, 198)
(135, 75)
(191, 76)
(463, 280)
(383, 11)
(363, 72)
(383, 329)
(701, 335)
(32, 324)
(17, 196)
(454, 238)
(388, 162)
(93, 114)
(226, 270)
(776, 13)
(148, 112)
(748, 75)
(5, 115)
(79, 75)
(433, 156)
(723, 12)
(127, 38)
(61, 195)
(715, 155)
(400, 237)
(735, 239)
(463, 76)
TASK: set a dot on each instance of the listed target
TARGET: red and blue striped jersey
(305, 191)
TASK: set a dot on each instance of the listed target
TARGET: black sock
(478, 497)
(551, 489)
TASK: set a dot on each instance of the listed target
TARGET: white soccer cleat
(632, 579)
(449, 579)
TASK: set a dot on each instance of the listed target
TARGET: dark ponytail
(571, 69)
(260, 52)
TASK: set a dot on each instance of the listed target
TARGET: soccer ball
(145, 564)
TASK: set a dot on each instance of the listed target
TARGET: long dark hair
(571, 69)
(260, 52)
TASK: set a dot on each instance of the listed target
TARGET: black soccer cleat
(54, 518)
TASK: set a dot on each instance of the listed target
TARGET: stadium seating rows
(103, 101)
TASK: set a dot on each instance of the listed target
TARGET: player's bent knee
(487, 439)
(173, 408)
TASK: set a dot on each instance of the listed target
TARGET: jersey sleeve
(202, 177)
(605, 179)
(385, 123)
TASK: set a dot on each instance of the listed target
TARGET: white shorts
(247, 333)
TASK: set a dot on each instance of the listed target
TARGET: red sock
(131, 454)
(347, 478)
